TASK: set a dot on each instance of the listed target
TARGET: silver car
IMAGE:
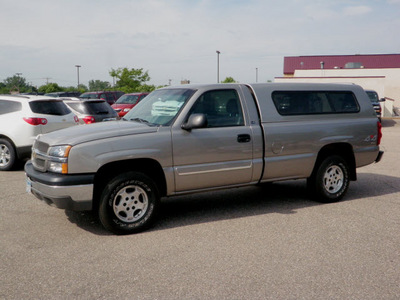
(91, 110)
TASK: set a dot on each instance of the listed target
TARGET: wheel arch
(149, 167)
(344, 150)
(2, 136)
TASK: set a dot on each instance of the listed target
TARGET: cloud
(178, 39)
(357, 10)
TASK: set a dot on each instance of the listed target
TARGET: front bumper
(72, 192)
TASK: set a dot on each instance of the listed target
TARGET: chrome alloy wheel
(333, 179)
(5, 155)
(130, 203)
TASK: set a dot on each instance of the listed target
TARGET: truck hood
(85, 133)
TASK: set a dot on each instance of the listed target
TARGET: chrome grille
(40, 146)
(39, 154)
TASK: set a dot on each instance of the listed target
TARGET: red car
(125, 103)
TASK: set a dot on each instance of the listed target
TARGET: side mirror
(382, 100)
(195, 121)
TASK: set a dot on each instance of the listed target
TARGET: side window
(314, 102)
(221, 107)
(109, 97)
(9, 106)
(142, 97)
(343, 102)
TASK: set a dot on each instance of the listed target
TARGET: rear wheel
(331, 180)
(128, 203)
(7, 155)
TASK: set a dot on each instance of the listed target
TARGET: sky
(177, 40)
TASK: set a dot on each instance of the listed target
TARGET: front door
(219, 154)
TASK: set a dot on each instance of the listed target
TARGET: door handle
(243, 138)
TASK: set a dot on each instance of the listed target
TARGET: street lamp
(77, 68)
(19, 80)
(256, 75)
(218, 53)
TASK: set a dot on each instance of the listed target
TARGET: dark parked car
(109, 96)
(63, 94)
(91, 110)
(125, 103)
(373, 96)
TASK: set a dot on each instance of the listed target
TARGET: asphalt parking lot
(267, 242)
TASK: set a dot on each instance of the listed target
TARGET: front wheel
(128, 203)
(331, 180)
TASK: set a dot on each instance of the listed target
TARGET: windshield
(160, 107)
(127, 99)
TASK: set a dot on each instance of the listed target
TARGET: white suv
(22, 118)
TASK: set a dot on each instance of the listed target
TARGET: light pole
(77, 68)
(218, 53)
(19, 80)
(256, 75)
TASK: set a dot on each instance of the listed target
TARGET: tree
(3, 89)
(146, 88)
(50, 88)
(16, 84)
(98, 85)
(130, 80)
(82, 88)
(229, 80)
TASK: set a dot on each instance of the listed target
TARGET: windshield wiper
(142, 121)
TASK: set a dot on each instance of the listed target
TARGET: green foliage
(146, 88)
(98, 85)
(131, 80)
(50, 88)
(82, 88)
(127, 80)
(15, 84)
(229, 80)
(3, 88)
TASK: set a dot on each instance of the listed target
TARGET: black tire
(129, 203)
(8, 155)
(330, 181)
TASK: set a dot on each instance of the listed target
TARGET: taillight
(89, 120)
(76, 119)
(378, 142)
(36, 121)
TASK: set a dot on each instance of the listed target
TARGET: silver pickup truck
(196, 138)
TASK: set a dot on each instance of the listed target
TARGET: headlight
(127, 109)
(59, 151)
(58, 159)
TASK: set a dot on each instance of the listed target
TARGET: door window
(221, 107)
